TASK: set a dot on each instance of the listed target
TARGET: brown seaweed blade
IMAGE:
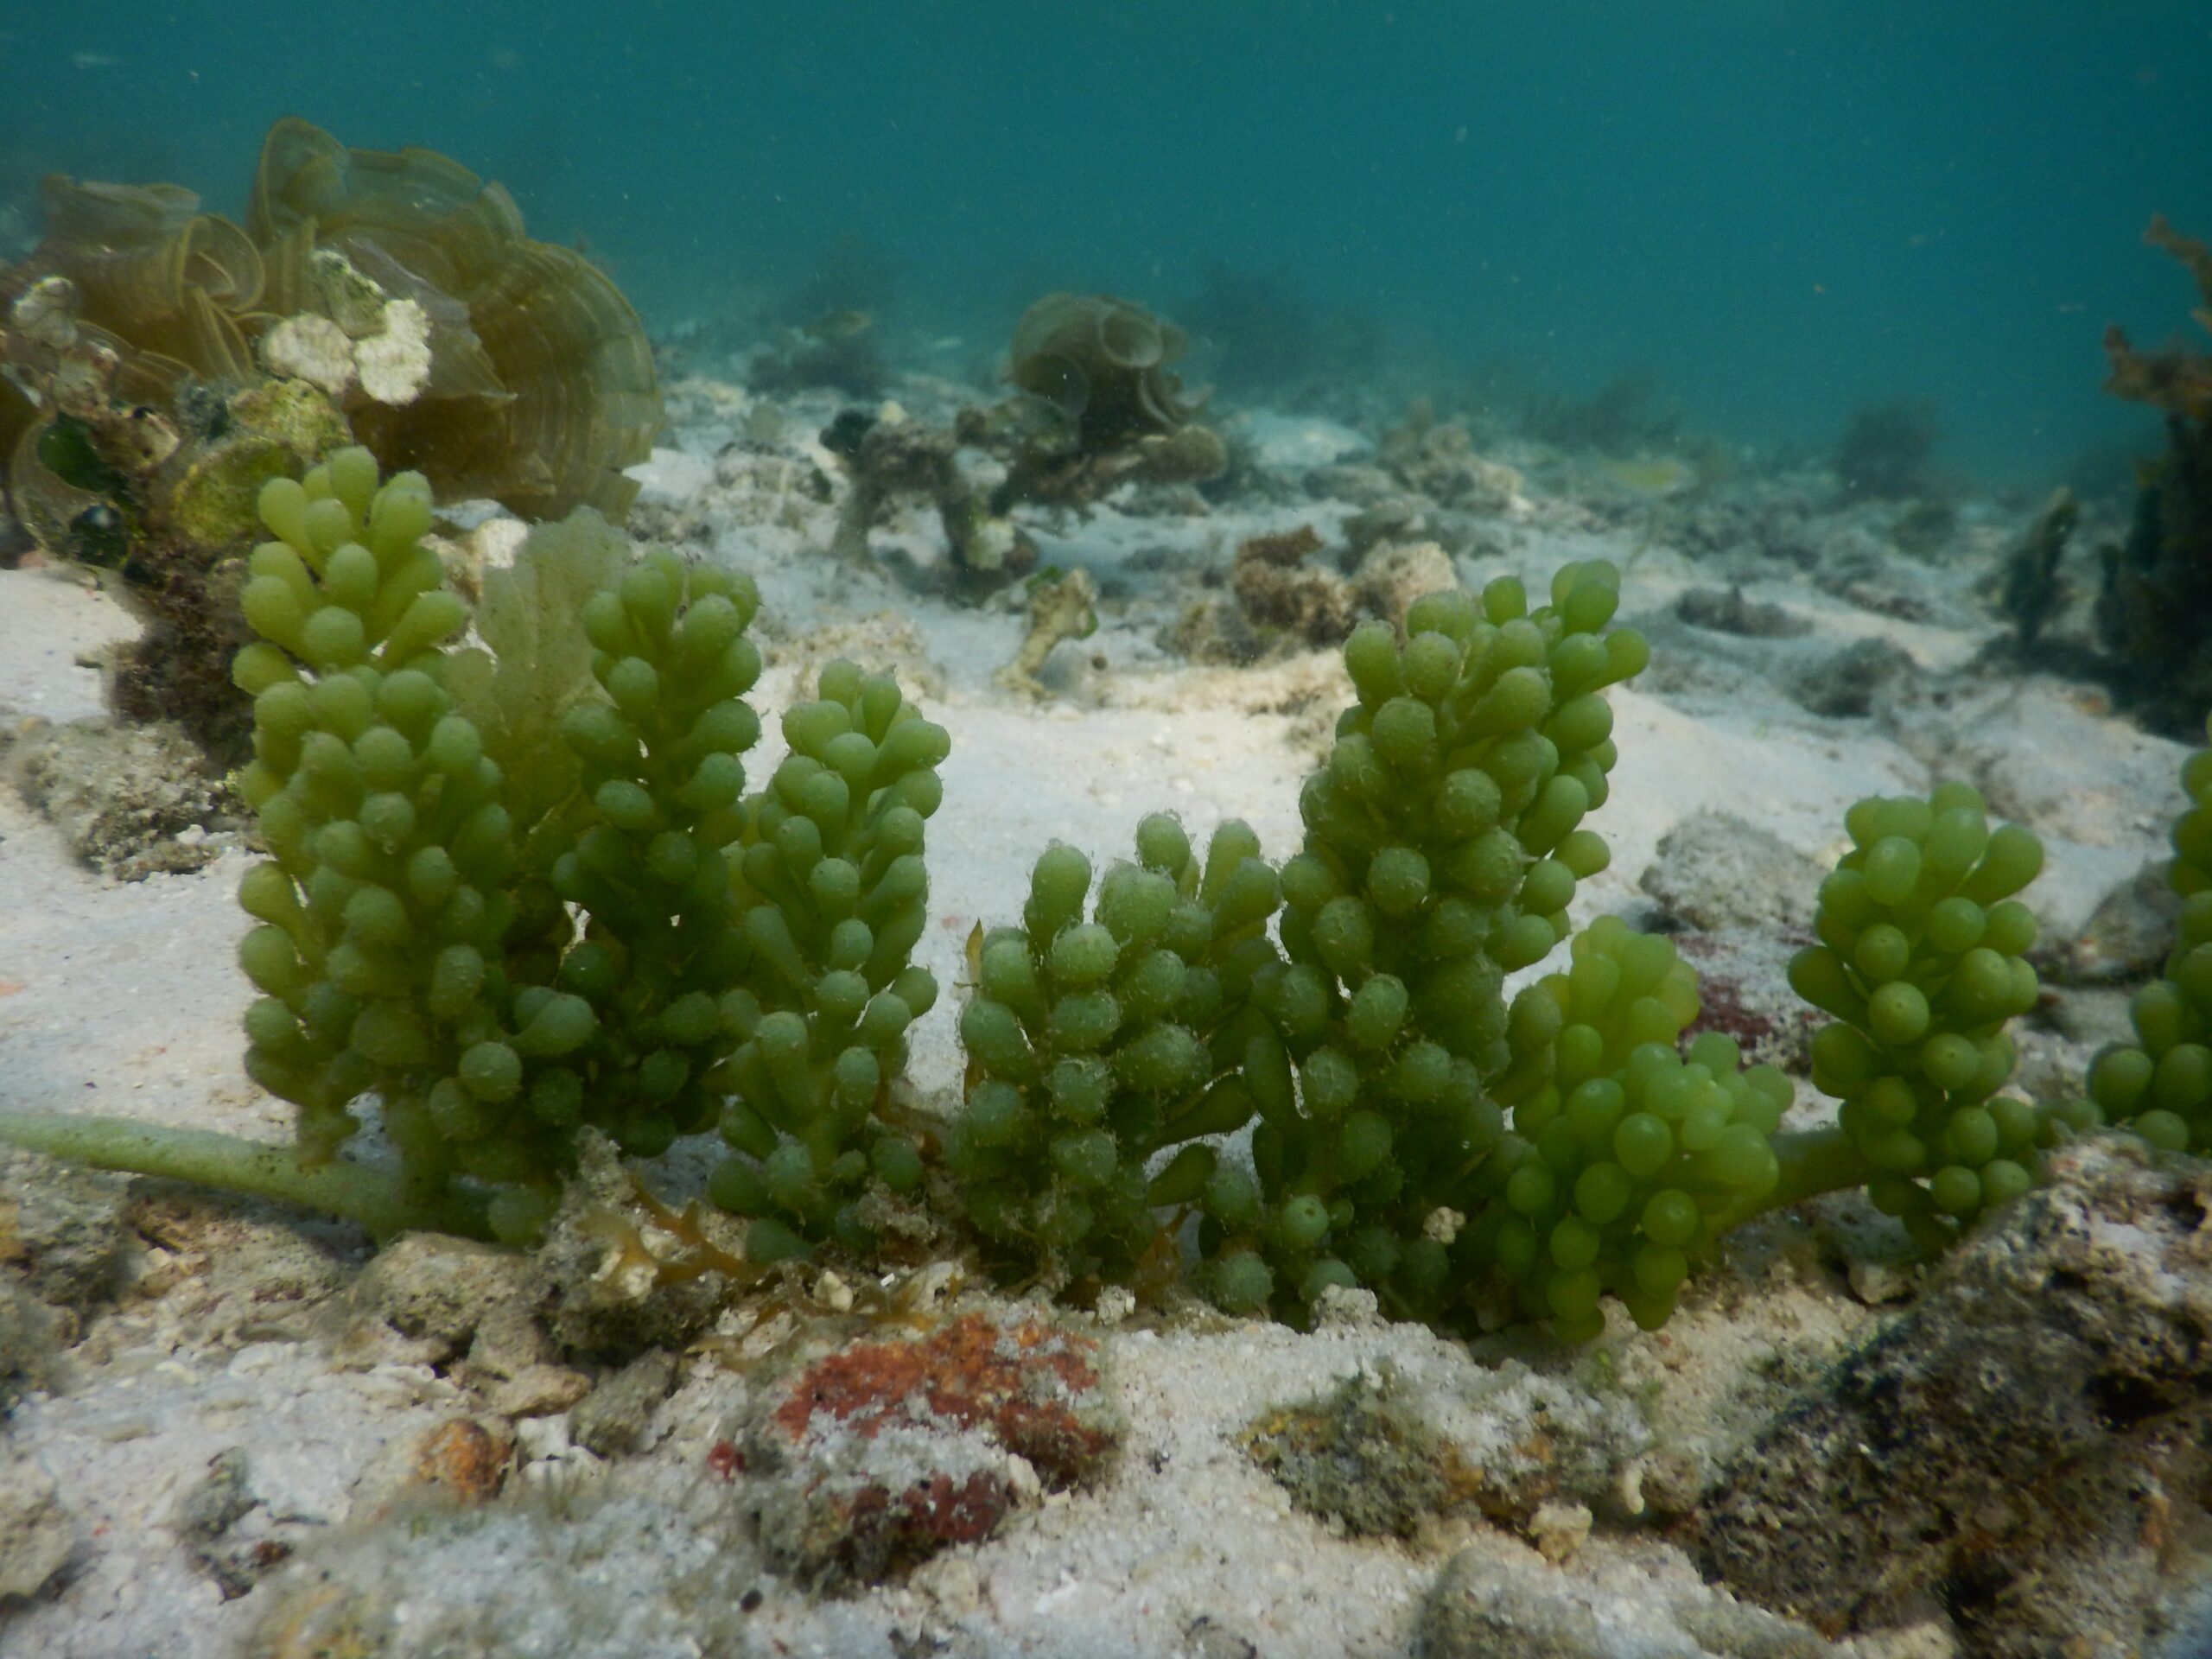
(2172, 378)
(542, 385)
(154, 269)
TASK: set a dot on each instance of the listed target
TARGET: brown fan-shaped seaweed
(1103, 363)
(541, 387)
(153, 269)
(163, 363)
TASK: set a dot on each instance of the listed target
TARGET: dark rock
(1729, 612)
(1848, 685)
(2030, 1447)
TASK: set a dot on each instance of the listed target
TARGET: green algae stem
(376, 1198)
(1813, 1162)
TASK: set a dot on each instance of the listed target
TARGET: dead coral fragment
(132, 801)
(1362, 1457)
(1287, 600)
(2029, 1441)
(1277, 587)
(889, 456)
(1438, 459)
(1063, 605)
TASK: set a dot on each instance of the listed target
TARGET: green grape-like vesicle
(1444, 841)
(384, 911)
(517, 889)
(1104, 1031)
(1921, 965)
(642, 857)
(1631, 1155)
(829, 897)
(2161, 1084)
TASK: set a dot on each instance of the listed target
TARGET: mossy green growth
(2161, 1084)
(1921, 965)
(829, 897)
(1098, 1041)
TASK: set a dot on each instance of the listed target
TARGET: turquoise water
(1774, 211)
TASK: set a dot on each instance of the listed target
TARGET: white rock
(670, 477)
(36, 1536)
(1291, 443)
(395, 366)
(310, 348)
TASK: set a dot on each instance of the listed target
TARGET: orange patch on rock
(1022, 1383)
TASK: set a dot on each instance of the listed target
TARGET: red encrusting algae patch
(1025, 1384)
(877, 1456)
(933, 1513)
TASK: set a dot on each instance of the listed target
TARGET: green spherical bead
(2166, 1130)
(1082, 956)
(1240, 1282)
(1897, 1015)
(1081, 1087)
(1643, 1143)
(738, 1186)
(1971, 1136)
(1574, 1244)
(1532, 1190)
(1398, 880)
(1364, 1140)
(1167, 1058)
(1956, 1191)
(1883, 953)
(1671, 1217)
(1328, 1082)
(1405, 733)
(491, 1071)
(1232, 1197)
(2002, 1182)
(1951, 1062)
(1430, 663)
(1303, 1222)
(1376, 1014)
(1603, 1193)
(1084, 1158)
(1162, 844)
(1955, 926)
(1085, 1021)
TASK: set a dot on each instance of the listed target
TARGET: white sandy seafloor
(124, 998)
